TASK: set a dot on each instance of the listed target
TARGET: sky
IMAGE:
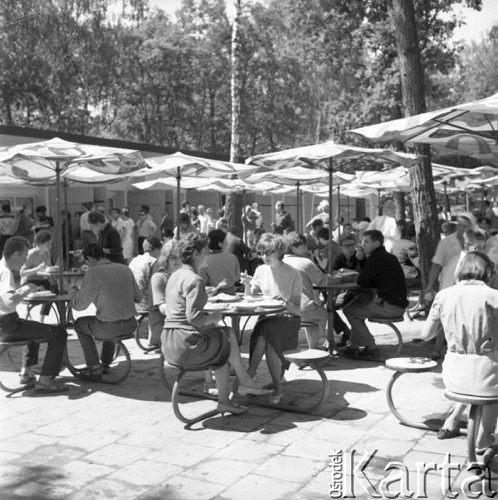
(477, 22)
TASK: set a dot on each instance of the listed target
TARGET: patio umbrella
(47, 161)
(299, 177)
(323, 156)
(180, 165)
(478, 118)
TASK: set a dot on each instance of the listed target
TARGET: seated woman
(38, 260)
(272, 335)
(468, 314)
(113, 290)
(191, 339)
(167, 263)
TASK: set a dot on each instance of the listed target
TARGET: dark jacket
(341, 262)
(110, 241)
(383, 272)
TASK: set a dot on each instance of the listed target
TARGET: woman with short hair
(191, 338)
(468, 314)
(272, 335)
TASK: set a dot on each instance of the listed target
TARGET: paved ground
(100, 441)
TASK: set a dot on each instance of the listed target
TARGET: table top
(336, 286)
(246, 309)
(65, 297)
(51, 274)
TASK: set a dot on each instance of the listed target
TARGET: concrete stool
(311, 358)
(115, 375)
(407, 365)
(11, 382)
(141, 316)
(476, 403)
(390, 322)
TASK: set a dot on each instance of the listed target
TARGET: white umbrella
(323, 156)
(47, 161)
(180, 165)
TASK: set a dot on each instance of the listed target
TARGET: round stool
(176, 391)
(311, 358)
(9, 381)
(476, 403)
(117, 371)
(390, 322)
(407, 365)
(141, 316)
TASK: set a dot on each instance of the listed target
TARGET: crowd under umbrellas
(313, 168)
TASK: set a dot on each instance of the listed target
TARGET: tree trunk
(399, 205)
(422, 185)
(236, 90)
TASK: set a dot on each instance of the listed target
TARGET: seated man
(222, 269)
(13, 328)
(311, 309)
(383, 273)
(406, 251)
(113, 290)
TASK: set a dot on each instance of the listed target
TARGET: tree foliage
(309, 69)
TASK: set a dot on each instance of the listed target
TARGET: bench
(9, 381)
(390, 322)
(117, 372)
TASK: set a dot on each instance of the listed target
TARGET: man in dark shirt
(383, 274)
(283, 221)
(109, 239)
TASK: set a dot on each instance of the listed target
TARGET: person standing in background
(203, 220)
(128, 240)
(85, 230)
(145, 226)
(283, 221)
(167, 224)
(26, 223)
(117, 222)
(108, 237)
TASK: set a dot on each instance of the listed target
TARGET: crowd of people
(173, 275)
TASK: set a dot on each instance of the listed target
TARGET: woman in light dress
(128, 239)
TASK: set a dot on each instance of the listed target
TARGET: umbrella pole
(330, 295)
(244, 232)
(58, 224)
(446, 202)
(66, 223)
(379, 210)
(349, 209)
(467, 201)
(298, 216)
(339, 210)
(331, 213)
(178, 179)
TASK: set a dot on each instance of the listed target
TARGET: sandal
(448, 433)
(275, 400)
(91, 374)
(210, 389)
(53, 387)
(27, 379)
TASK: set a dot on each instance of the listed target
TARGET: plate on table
(224, 297)
(211, 307)
(270, 304)
(40, 294)
(244, 307)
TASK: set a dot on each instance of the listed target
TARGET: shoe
(345, 338)
(105, 369)
(275, 400)
(53, 387)
(27, 379)
(370, 353)
(244, 391)
(435, 355)
(210, 389)
(232, 408)
(448, 433)
(91, 374)
(351, 351)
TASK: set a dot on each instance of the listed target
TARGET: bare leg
(236, 361)
(222, 377)
(275, 367)
(257, 356)
(313, 334)
(453, 419)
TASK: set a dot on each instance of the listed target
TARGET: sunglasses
(266, 254)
